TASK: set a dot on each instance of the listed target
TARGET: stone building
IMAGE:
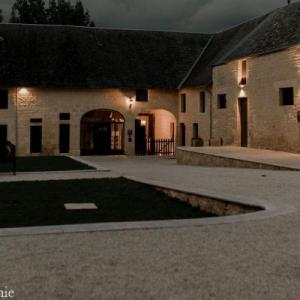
(91, 91)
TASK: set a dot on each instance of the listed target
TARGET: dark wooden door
(3, 134)
(102, 138)
(140, 138)
(243, 105)
(3, 139)
(64, 138)
(36, 139)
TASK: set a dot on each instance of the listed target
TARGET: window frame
(4, 102)
(183, 103)
(142, 95)
(282, 100)
(202, 102)
(222, 101)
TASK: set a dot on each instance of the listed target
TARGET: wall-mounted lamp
(143, 123)
(130, 102)
(243, 82)
(23, 92)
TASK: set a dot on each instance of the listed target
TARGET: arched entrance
(155, 133)
(102, 133)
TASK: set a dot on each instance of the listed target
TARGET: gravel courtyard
(257, 259)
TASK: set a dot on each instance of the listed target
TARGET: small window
(222, 101)
(244, 73)
(36, 120)
(64, 116)
(287, 96)
(182, 134)
(3, 99)
(183, 103)
(142, 95)
(202, 102)
(195, 131)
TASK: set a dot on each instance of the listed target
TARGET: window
(142, 95)
(183, 103)
(36, 120)
(64, 138)
(222, 99)
(3, 99)
(195, 131)
(244, 73)
(202, 102)
(36, 139)
(64, 116)
(182, 134)
(286, 96)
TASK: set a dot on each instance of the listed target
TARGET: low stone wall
(185, 157)
(211, 205)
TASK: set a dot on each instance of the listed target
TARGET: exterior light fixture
(130, 102)
(243, 82)
(23, 92)
(143, 123)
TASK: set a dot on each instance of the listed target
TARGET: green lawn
(44, 163)
(42, 203)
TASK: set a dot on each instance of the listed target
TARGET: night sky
(177, 15)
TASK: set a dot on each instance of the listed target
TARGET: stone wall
(193, 114)
(271, 125)
(47, 104)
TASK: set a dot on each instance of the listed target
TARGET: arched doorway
(155, 133)
(102, 133)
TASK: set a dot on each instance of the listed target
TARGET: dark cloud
(182, 15)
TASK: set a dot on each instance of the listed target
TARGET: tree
(1, 16)
(58, 12)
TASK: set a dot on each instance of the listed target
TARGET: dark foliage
(1, 16)
(60, 12)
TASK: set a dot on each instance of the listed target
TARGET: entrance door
(36, 139)
(3, 134)
(243, 106)
(140, 138)
(102, 138)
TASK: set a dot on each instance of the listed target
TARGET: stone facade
(193, 115)
(47, 104)
(270, 125)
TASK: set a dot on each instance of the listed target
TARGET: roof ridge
(268, 16)
(195, 62)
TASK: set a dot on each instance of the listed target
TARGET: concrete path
(264, 157)
(257, 259)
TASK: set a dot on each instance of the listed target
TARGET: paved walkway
(257, 259)
(267, 157)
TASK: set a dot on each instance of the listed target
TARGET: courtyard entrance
(102, 133)
(155, 132)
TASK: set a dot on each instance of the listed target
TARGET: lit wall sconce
(143, 123)
(130, 102)
(23, 92)
(243, 82)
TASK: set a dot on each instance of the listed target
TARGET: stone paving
(254, 259)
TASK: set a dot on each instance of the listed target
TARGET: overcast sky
(175, 15)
